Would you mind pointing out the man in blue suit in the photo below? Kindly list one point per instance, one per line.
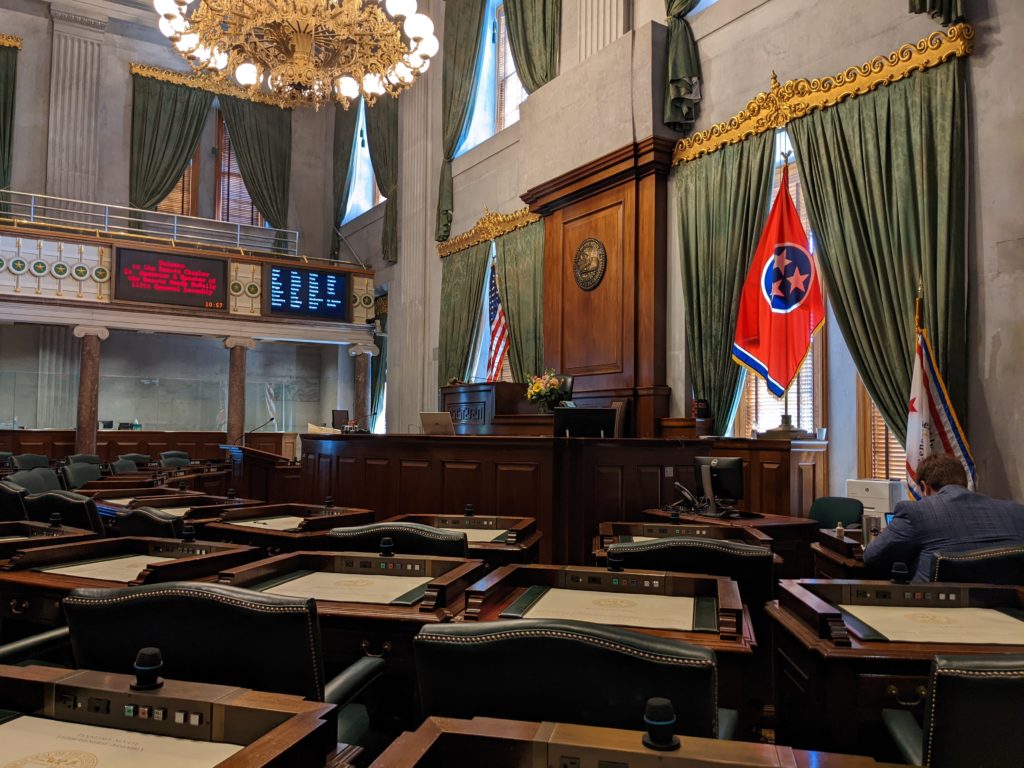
(948, 518)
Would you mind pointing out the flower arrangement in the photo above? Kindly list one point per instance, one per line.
(546, 390)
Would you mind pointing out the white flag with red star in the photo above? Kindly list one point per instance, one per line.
(932, 426)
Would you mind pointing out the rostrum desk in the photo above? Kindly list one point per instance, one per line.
(832, 685)
(494, 539)
(278, 528)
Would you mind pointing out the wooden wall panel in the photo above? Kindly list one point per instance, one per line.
(418, 491)
(462, 483)
(377, 490)
(60, 443)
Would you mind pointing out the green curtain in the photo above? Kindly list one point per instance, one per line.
(723, 204)
(261, 137)
(520, 278)
(535, 35)
(885, 180)
(382, 134)
(166, 122)
(8, 72)
(379, 368)
(344, 145)
(462, 290)
(682, 68)
(948, 11)
(463, 22)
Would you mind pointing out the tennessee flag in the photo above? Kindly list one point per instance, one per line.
(932, 426)
(781, 305)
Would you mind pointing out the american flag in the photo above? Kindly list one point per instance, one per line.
(499, 331)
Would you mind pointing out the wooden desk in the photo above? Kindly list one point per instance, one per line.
(516, 539)
(791, 536)
(198, 507)
(623, 532)
(831, 686)
(841, 557)
(282, 444)
(483, 741)
(24, 534)
(264, 475)
(309, 532)
(274, 729)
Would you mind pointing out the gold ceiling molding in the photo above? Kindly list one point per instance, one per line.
(10, 41)
(201, 83)
(796, 98)
(490, 226)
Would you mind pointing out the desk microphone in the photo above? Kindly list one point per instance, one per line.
(614, 562)
(231, 494)
(469, 510)
(188, 533)
(55, 520)
(387, 547)
(148, 664)
(660, 721)
(254, 429)
(900, 574)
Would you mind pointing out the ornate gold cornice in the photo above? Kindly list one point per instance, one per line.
(10, 41)
(380, 306)
(203, 83)
(796, 98)
(490, 226)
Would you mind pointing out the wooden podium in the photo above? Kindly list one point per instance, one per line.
(493, 408)
(261, 475)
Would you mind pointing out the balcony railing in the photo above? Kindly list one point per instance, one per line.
(62, 213)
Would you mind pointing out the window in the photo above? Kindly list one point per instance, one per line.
(232, 201)
(758, 408)
(362, 191)
(499, 92)
(880, 454)
(183, 200)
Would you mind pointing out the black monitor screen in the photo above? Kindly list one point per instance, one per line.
(309, 293)
(726, 477)
(584, 422)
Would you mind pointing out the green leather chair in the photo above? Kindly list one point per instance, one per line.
(832, 510)
(38, 480)
(123, 467)
(77, 475)
(141, 460)
(173, 462)
(996, 565)
(12, 502)
(973, 716)
(30, 461)
(5, 458)
(84, 458)
(175, 455)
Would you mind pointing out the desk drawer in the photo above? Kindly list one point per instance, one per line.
(878, 692)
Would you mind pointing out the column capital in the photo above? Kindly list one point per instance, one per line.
(73, 20)
(239, 341)
(81, 331)
(355, 350)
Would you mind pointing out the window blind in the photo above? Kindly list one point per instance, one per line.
(232, 201)
(888, 458)
(183, 198)
(510, 89)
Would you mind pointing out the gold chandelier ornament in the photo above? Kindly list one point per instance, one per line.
(304, 52)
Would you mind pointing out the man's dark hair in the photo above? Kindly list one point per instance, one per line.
(941, 469)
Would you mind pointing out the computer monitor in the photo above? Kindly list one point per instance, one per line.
(584, 422)
(339, 418)
(724, 475)
(437, 423)
(107, 424)
(124, 425)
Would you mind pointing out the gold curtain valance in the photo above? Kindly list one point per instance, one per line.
(796, 98)
(202, 83)
(490, 226)
(10, 41)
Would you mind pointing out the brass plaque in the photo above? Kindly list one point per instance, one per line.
(589, 265)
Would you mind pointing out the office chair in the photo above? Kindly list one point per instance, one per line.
(141, 460)
(77, 475)
(175, 455)
(832, 510)
(123, 467)
(38, 480)
(972, 716)
(173, 462)
(566, 385)
(588, 674)
(84, 458)
(109, 626)
(30, 461)
(407, 538)
(995, 565)
(75, 510)
(147, 521)
(12, 502)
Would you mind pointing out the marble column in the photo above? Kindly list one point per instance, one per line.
(236, 386)
(602, 22)
(73, 150)
(361, 378)
(89, 387)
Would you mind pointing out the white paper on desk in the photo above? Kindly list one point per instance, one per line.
(485, 535)
(349, 587)
(32, 742)
(617, 608)
(176, 511)
(271, 523)
(119, 502)
(913, 624)
(125, 568)
(14, 538)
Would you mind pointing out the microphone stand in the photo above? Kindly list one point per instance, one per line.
(254, 429)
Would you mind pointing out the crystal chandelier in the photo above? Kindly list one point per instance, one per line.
(304, 52)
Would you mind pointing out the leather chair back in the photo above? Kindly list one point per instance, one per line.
(751, 567)
(147, 521)
(5, 458)
(832, 510)
(76, 511)
(84, 458)
(12, 502)
(77, 475)
(208, 633)
(408, 539)
(38, 480)
(563, 671)
(997, 565)
(30, 461)
(973, 715)
(566, 381)
(140, 459)
(175, 455)
(123, 467)
(173, 462)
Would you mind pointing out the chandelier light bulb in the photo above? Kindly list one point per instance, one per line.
(165, 27)
(167, 7)
(416, 27)
(422, 66)
(428, 47)
(348, 87)
(218, 60)
(404, 73)
(247, 74)
(398, 8)
(373, 84)
(187, 43)
(202, 55)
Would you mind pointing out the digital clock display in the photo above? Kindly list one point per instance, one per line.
(309, 293)
(171, 279)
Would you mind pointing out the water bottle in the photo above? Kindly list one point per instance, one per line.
(135, 424)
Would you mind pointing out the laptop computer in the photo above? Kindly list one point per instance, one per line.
(437, 423)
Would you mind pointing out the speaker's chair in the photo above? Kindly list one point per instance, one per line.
(77, 475)
(589, 674)
(30, 461)
(997, 565)
(407, 538)
(972, 718)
